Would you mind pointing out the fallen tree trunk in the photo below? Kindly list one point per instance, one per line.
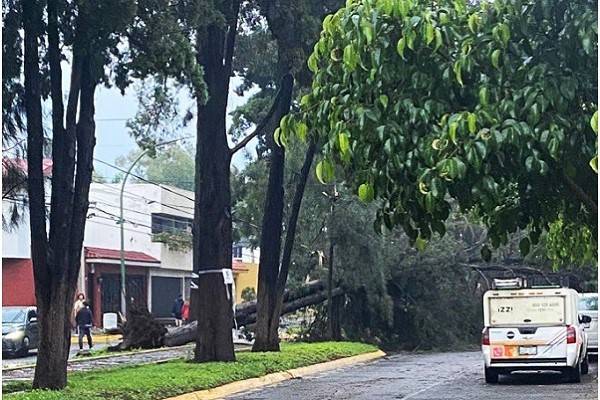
(246, 315)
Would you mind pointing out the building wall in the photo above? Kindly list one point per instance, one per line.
(17, 282)
(246, 279)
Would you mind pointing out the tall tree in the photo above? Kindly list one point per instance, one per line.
(90, 35)
(488, 104)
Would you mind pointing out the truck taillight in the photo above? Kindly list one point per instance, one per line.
(485, 337)
(571, 335)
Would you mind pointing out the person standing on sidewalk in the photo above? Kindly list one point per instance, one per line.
(176, 310)
(84, 325)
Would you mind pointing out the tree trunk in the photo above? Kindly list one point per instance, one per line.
(56, 259)
(211, 302)
(289, 239)
(270, 239)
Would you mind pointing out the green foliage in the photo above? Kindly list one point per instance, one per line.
(173, 165)
(159, 381)
(570, 244)
(178, 242)
(248, 294)
(485, 105)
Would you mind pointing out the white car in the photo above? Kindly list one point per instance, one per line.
(588, 305)
(533, 328)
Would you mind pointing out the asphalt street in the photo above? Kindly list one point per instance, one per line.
(432, 376)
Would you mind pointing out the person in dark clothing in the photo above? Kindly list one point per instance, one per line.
(176, 310)
(84, 323)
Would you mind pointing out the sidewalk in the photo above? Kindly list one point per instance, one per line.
(99, 338)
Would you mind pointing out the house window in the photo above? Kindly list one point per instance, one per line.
(170, 223)
(237, 251)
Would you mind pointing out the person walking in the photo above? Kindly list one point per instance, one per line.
(76, 307)
(176, 310)
(84, 325)
(185, 312)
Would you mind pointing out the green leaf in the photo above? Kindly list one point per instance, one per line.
(301, 130)
(344, 143)
(420, 243)
(483, 95)
(473, 22)
(400, 46)
(594, 122)
(458, 71)
(452, 131)
(366, 193)
(312, 63)
(367, 30)
(594, 164)
(350, 58)
(504, 32)
(429, 34)
(383, 99)
(472, 123)
(496, 58)
(276, 135)
(324, 171)
(438, 39)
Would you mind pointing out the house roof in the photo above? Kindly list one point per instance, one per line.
(112, 254)
(238, 266)
(21, 164)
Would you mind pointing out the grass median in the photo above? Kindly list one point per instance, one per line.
(158, 381)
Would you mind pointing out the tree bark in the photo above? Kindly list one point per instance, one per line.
(211, 303)
(270, 239)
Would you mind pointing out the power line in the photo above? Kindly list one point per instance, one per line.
(145, 180)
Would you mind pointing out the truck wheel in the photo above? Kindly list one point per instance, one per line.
(24, 350)
(585, 365)
(574, 374)
(491, 376)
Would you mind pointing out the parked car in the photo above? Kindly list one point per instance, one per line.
(19, 330)
(533, 328)
(588, 305)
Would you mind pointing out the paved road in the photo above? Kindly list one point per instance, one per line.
(437, 376)
(13, 361)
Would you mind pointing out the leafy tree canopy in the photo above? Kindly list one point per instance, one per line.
(491, 106)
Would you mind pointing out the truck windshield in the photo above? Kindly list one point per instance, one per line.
(588, 303)
(527, 310)
(13, 315)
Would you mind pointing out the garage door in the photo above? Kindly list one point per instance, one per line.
(164, 293)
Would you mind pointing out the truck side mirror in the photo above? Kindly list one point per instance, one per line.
(585, 319)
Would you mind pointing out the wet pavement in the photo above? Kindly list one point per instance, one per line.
(433, 376)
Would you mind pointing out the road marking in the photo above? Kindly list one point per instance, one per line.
(412, 395)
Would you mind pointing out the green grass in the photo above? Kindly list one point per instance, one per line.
(146, 382)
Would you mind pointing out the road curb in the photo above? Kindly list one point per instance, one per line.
(254, 383)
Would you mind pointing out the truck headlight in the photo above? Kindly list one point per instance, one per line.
(15, 335)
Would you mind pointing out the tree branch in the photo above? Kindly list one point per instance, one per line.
(259, 130)
(583, 196)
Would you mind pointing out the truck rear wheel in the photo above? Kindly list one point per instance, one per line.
(491, 375)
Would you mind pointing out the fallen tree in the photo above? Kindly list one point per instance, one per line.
(245, 315)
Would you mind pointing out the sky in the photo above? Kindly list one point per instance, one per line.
(113, 110)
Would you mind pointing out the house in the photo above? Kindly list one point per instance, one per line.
(157, 243)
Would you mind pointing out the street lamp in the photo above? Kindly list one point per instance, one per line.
(122, 222)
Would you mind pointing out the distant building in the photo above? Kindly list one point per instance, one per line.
(157, 226)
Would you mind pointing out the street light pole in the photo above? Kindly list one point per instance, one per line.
(122, 222)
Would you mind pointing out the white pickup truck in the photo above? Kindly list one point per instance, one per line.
(533, 328)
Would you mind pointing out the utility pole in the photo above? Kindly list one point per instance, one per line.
(333, 197)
